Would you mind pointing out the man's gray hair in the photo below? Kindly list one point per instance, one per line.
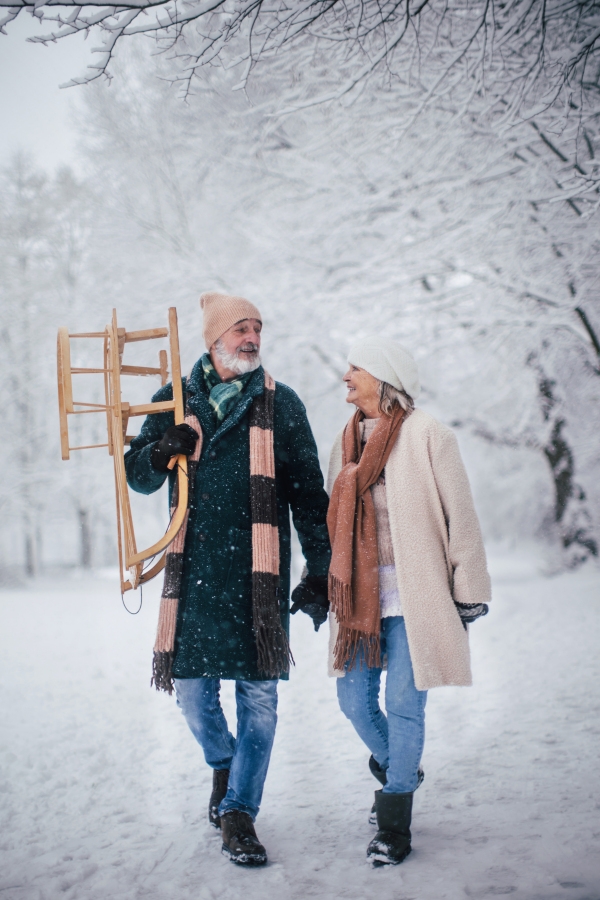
(389, 397)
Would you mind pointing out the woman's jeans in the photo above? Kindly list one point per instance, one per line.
(396, 742)
(247, 756)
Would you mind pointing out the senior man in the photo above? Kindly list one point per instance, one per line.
(225, 609)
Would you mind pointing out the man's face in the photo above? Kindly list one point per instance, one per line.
(238, 349)
(243, 339)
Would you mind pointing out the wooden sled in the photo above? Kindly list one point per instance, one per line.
(118, 412)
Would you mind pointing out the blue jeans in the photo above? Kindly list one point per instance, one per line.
(247, 756)
(396, 741)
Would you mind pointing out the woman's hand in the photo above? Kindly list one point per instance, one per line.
(468, 613)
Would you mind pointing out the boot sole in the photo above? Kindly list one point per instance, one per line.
(380, 859)
(244, 859)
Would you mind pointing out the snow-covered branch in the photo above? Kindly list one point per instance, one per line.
(519, 58)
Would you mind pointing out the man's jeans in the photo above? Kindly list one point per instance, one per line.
(247, 756)
(396, 742)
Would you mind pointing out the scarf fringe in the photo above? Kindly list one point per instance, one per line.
(273, 648)
(340, 597)
(352, 644)
(162, 671)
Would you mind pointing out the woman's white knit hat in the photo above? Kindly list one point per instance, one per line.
(387, 361)
(221, 311)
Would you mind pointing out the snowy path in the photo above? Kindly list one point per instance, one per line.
(104, 790)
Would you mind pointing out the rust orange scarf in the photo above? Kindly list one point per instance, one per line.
(354, 573)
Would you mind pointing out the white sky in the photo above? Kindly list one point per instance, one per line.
(34, 111)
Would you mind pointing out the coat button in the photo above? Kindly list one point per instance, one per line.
(202, 536)
(206, 496)
(212, 454)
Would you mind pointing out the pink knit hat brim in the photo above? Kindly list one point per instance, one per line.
(221, 311)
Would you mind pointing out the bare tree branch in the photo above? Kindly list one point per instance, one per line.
(529, 55)
(588, 327)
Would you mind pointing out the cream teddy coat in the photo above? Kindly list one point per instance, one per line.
(438, 548)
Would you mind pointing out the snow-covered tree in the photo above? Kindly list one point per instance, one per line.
(44, 228)
(466, 246)
(469, 244)
(503, 60)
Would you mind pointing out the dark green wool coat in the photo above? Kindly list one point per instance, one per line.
(214, 635)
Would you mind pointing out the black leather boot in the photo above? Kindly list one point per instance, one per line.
(380, 775)
(240, 842)
(391, 844)
(219, 789)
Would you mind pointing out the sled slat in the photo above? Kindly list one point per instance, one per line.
(88, 447)
(148, 335)
(146, 409)
(139, 370)
(89, 334)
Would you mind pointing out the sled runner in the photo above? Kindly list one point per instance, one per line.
(118, 412)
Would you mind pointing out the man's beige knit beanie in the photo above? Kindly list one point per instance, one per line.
(387, 361)
(221, 311)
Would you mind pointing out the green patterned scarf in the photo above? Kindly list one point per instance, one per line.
(222, 395)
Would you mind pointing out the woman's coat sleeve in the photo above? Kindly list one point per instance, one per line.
(471, 582)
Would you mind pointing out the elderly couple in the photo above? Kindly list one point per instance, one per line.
(394, 553)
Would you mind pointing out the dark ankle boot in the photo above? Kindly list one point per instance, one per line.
(391, 844)
(219, 789)
(240, 842)
(381, 776)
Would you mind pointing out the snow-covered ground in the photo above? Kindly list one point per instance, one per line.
(104, 791)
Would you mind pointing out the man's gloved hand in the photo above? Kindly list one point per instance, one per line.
(468, 614)
(311, 597)
(176, 439)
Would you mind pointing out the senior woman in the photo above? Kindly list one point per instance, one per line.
(408, 573)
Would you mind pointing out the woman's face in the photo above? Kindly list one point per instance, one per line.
(363, 391)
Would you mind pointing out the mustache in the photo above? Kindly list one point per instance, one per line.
(247, 347)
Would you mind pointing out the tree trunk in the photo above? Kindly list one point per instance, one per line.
(85, 547)
(570, 515)
(31, 555)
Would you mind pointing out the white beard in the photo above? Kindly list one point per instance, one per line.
(236, 362)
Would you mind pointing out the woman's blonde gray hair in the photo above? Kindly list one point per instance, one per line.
(389, 397)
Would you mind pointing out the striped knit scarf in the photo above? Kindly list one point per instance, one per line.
(271, 640)
(222, 395)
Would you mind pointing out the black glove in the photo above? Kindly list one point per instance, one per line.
(311, 597)
(176, 439)
(468, 614)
